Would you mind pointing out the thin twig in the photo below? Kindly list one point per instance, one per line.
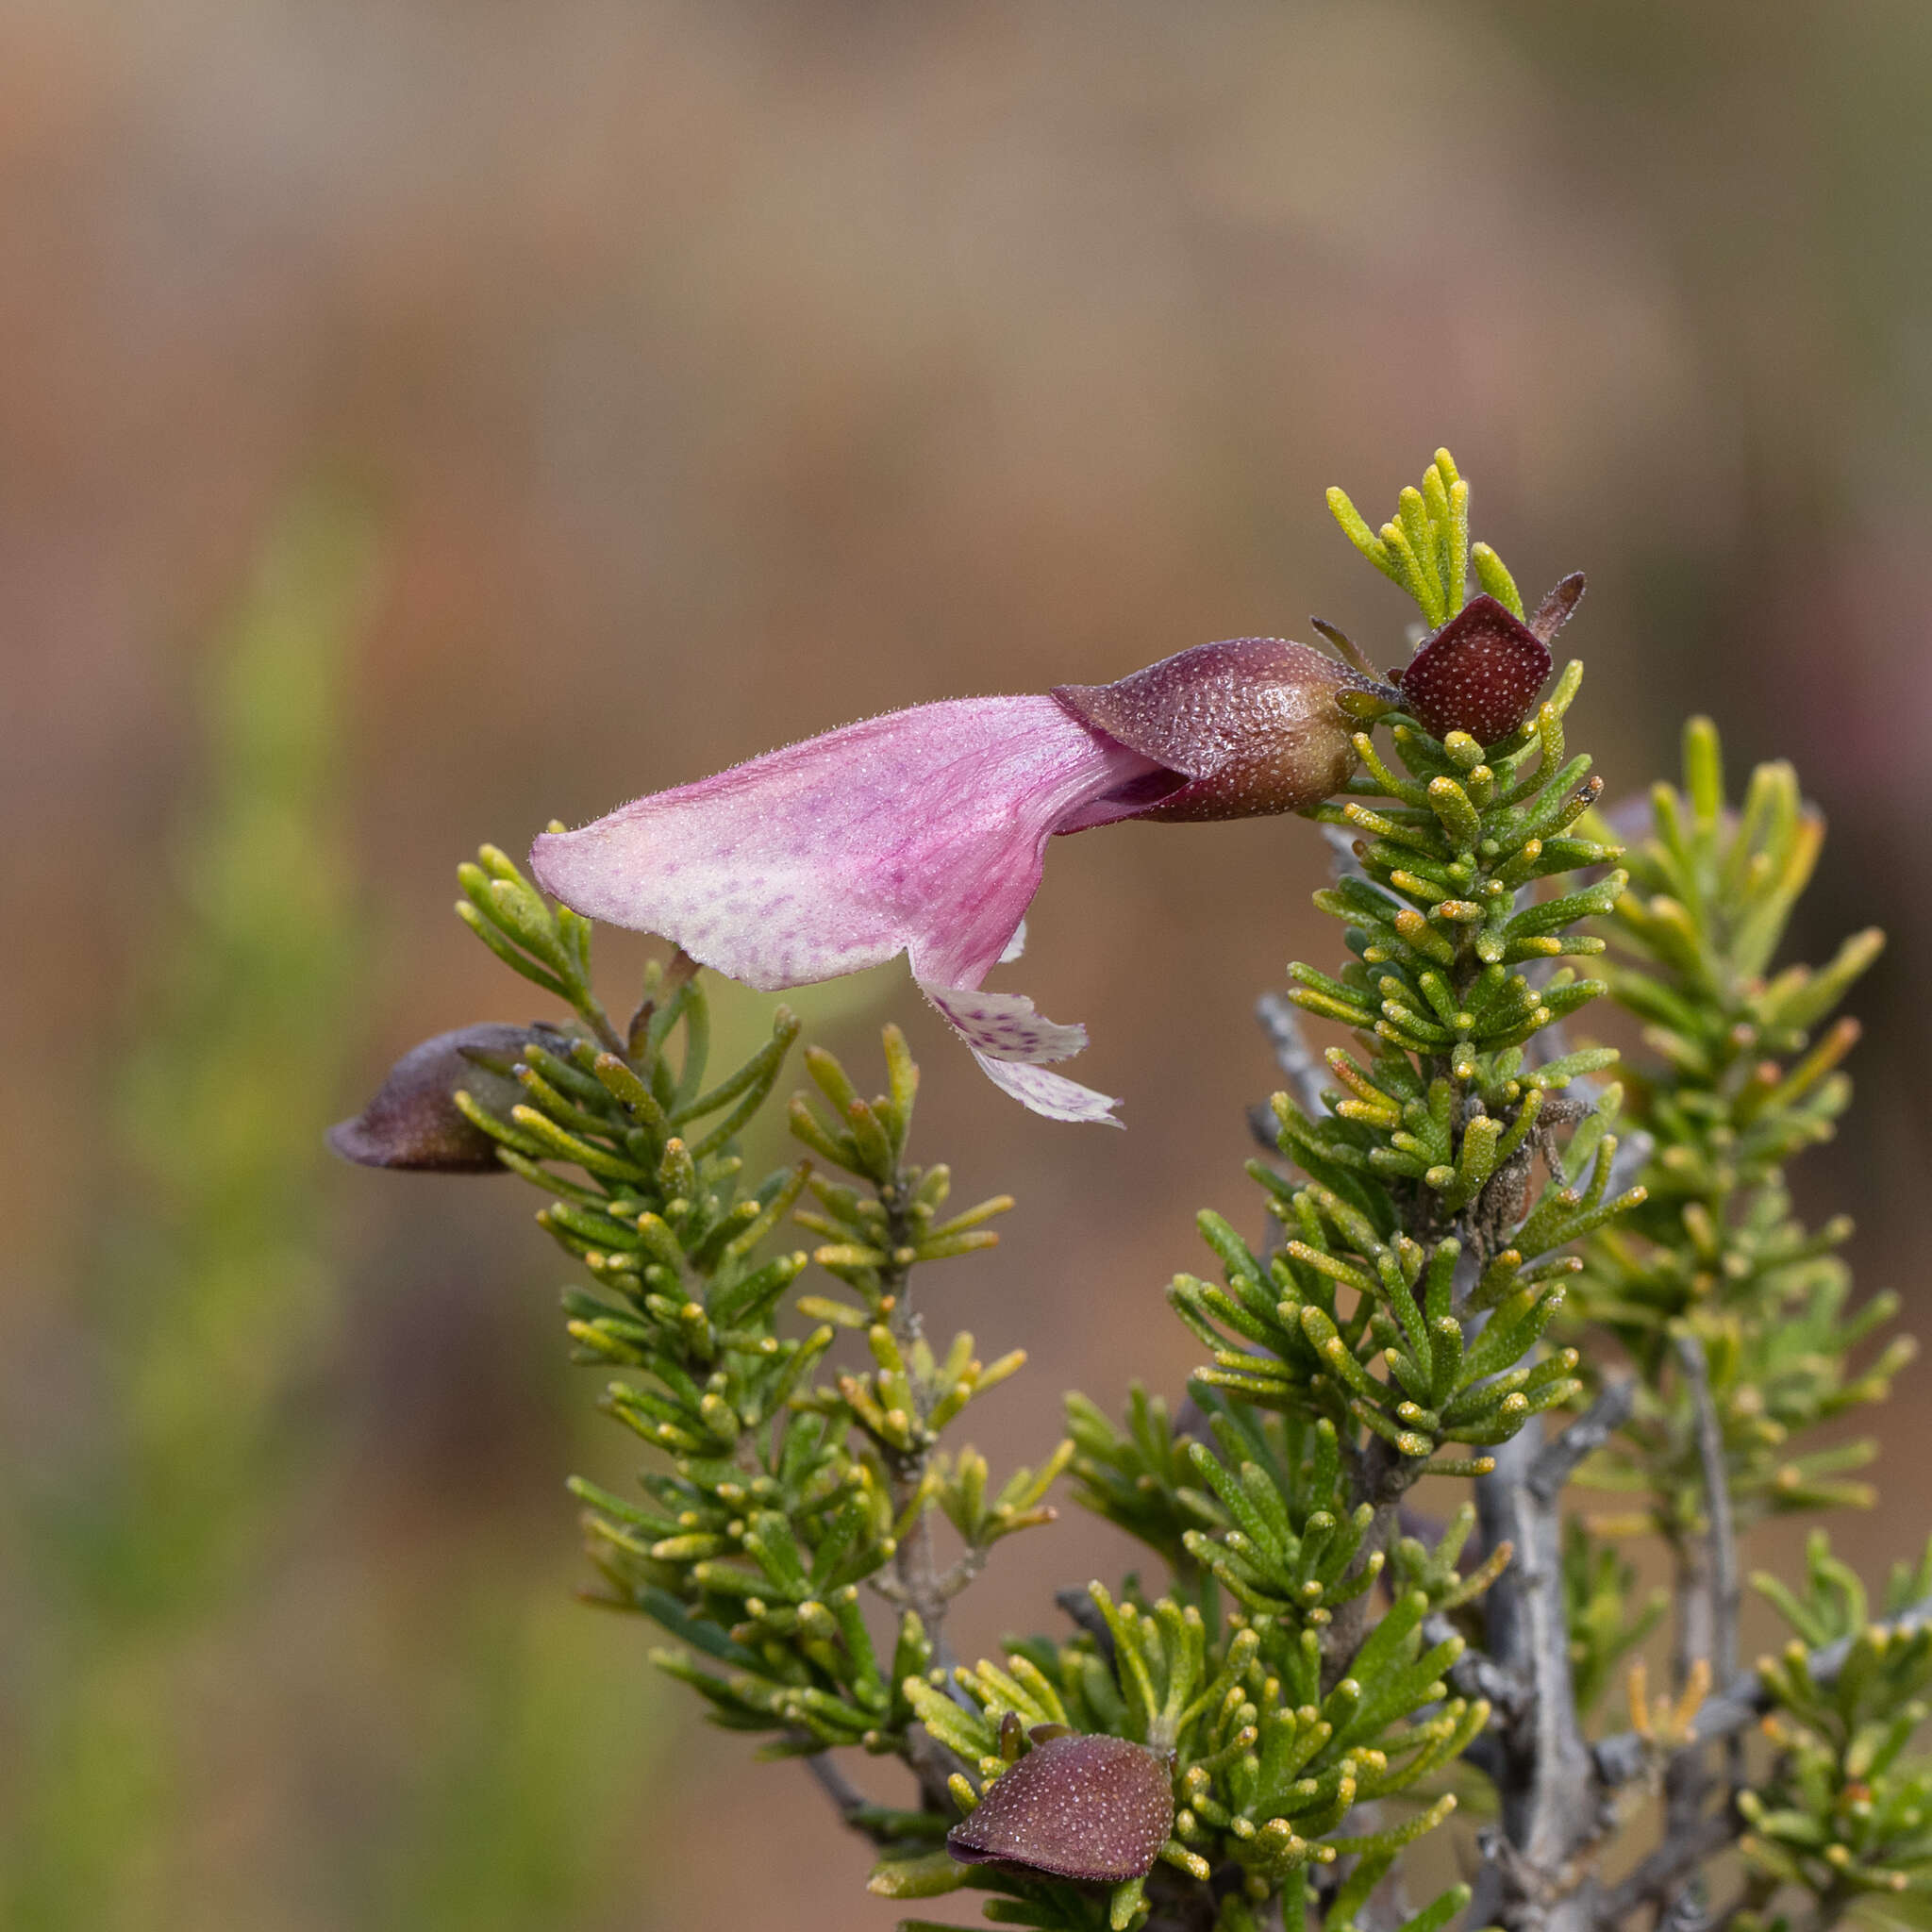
(959, 1574)
(917, 1584)
(1478, 1675)
(1079, 1606)
(1706, 1592)
(1634, 1149)
(1721, 1531)
(1534, 1873)
(1305, 1073)
(850, 1802)
(1556, 1462)
(1342, 862)
(1624, 1758)
(1677, 1859)
(599, 1022)
(1378, 1476)
(1551, 1808)
(879, 1825)
(1722, 1535)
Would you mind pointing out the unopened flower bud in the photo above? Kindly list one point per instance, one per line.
(413, 1122)
(1482, 672)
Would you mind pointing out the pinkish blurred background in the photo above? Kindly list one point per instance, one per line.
(700, 377)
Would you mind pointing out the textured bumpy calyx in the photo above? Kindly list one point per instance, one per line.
(1094, 1808)
(1250, 724)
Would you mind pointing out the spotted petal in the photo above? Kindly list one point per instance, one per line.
(1010, 1040)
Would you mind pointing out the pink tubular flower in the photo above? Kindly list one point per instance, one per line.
(925, 831)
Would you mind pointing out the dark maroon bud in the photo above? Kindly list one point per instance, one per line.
(1093, 1808)
(1483, 670)
(1252, 724)
(414, 1121)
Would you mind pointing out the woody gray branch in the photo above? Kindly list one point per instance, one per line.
(1695, 1839)
(1554, 1789)
(1552, 1806)
(854, 1807)
(1721, 1535)
(1706, 1640)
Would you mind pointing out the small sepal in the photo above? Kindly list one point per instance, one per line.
(1094, 1808)
(1482, 672)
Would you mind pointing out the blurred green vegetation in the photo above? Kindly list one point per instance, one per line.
(201, 1276)
(206, 1288)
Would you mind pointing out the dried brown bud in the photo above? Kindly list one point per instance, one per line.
(413, 1122)
(1250, 724)
(1093, 1808)
(1483, 670)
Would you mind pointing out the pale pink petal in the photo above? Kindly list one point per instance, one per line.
(922, 832)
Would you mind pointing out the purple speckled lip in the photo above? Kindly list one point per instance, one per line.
(925, 831)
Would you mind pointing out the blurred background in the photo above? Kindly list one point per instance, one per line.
(420, 421)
